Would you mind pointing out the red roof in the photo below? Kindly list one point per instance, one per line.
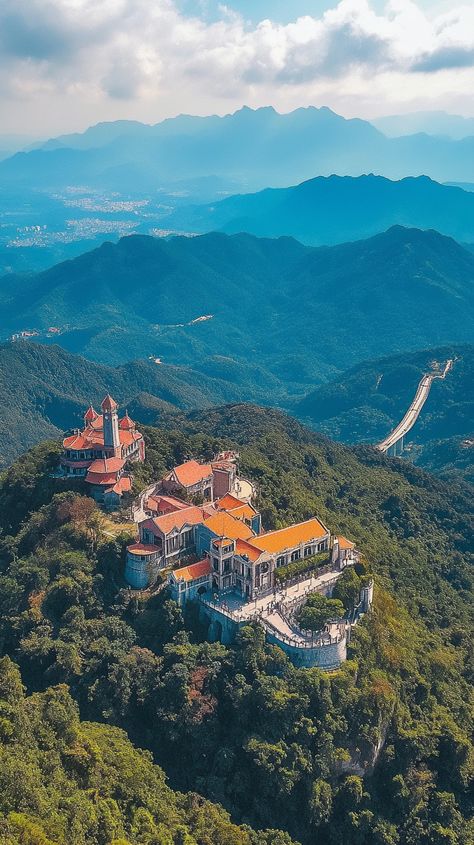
(126, 423)
(194, 571)
(191, 473)
(123, 485)
(93, 437)
(247, 550)
(91, 414)
(188, 516)
(170, 502)
(109, 404)
(108, 479)
(105, 465)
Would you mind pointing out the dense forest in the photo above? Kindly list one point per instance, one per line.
(377, 753)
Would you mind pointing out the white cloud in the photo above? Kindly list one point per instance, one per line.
(148, 56)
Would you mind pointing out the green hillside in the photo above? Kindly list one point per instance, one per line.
(334, 209)
(295, 313)
(44, 391)
(65, 781)
(378, 753)
(365, 403)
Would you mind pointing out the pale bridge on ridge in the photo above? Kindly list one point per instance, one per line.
(393, 443)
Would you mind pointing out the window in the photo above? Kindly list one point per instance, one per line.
(215, 564)
(308, 551)
(281, 561)
(296, 555)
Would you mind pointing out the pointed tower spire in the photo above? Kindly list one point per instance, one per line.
(111, 427)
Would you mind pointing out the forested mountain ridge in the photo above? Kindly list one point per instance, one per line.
(334, 209)
(44, 390)
(275, 304)
(378, 753)
(365, 403)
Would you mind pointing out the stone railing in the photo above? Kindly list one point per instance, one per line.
(318, 641)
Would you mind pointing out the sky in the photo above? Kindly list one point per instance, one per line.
(67, 64)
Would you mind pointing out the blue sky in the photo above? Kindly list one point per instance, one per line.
(284, 11)
(65, 64)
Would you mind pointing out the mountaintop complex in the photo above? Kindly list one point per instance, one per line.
(236, 422)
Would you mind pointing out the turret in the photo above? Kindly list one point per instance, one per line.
(90, 416)
(111, 425)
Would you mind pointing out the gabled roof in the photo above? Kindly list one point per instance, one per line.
(222, 524)
(288, 538)
(188, 516)
(194, 571)
(190, 473)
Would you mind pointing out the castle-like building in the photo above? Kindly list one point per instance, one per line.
(99, 453)
(217, 554)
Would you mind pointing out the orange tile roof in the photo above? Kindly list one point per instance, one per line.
(224, 525)
(344, 543)
(244, 511)
(188, 516)
(191, 472)
(247, 550)
(287, 538)
(195, 570)
(229, 501)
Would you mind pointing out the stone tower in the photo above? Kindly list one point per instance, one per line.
(111, 425)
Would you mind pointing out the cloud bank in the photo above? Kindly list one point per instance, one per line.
(143, 58)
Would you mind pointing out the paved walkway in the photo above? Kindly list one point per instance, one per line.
(236, 604)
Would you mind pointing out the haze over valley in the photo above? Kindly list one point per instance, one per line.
(236, 422)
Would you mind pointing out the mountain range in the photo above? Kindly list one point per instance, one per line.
(334, 209)
(284, 312)
(431, 122)
(250, 149)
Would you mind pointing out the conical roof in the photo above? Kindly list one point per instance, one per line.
(126, 423)
(90, 415)
(109, 404)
